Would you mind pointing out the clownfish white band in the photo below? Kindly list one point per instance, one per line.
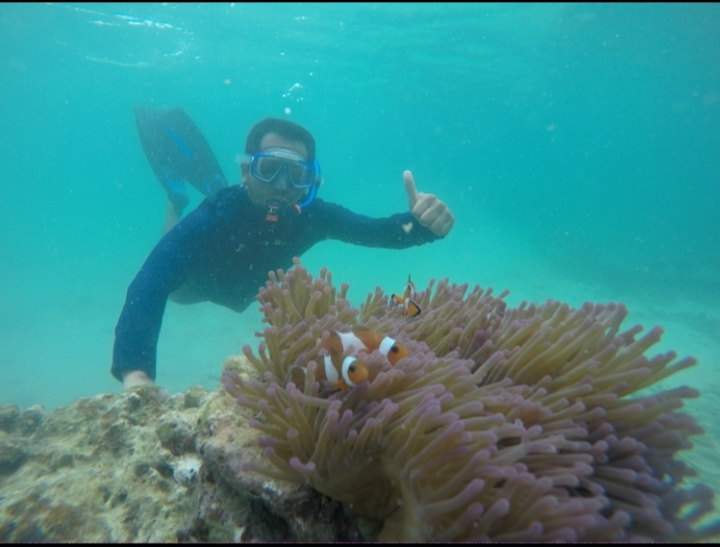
(347, 363)
(331, 372)
(386, 345)
(350, 339)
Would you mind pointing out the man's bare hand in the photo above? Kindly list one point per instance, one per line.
(132, 378)
(428, 209)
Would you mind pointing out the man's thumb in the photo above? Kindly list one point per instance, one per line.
(410, 188)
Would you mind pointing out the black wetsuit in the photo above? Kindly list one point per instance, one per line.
(223, 251)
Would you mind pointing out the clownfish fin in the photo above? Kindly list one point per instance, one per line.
(341, 385)
(335, 356)
(368, 338)
(397, 299)
(334, 342)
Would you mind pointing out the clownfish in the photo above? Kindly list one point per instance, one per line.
(342, 374)
(347, 373)
(364, 340)
(409, 305)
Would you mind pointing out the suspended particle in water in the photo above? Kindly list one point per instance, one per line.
(287, 110)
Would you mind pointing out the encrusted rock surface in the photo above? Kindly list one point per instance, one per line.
(143, 466)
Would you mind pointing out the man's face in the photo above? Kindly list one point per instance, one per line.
(279, 189)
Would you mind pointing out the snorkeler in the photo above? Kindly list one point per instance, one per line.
(222, 251)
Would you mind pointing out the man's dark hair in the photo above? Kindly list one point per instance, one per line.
(284, 128)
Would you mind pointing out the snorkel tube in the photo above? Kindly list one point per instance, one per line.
(312, 191)
(309, 198)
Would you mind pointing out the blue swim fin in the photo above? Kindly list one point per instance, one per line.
(175, 188)
(177, 151)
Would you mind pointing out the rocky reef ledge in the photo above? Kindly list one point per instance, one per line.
(143, 466)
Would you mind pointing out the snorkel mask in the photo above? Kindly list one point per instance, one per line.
(267, 165)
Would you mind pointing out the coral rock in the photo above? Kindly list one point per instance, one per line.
(143, 466)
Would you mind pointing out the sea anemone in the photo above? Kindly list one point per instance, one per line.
(503, 424)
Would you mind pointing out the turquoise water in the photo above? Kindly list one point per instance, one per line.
(577, 145)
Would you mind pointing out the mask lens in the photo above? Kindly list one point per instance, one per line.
(266, 168)
(299, 175)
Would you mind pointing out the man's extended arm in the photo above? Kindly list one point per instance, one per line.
(429, 219)
(138, 329)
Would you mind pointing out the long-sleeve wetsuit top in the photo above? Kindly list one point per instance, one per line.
(223, 251)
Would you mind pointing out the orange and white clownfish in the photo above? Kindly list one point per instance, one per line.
(364, 340)
(342, 373)
(409, 305)
(347, 373)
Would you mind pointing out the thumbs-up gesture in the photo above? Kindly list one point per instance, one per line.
(428, 209)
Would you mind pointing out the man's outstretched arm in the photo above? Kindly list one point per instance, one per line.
(429, 219)
(138, 329)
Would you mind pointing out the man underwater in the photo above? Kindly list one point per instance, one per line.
(223, 250)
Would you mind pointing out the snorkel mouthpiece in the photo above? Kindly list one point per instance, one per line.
(276, 206)
(273, 210)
